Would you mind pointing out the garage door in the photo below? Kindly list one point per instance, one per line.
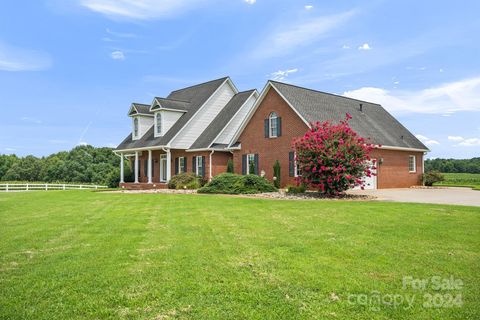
(370, 182)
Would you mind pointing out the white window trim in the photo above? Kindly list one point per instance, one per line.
(248, 162)
(163, 159)
(414, 164)
(270, 127)
(158, 134)
(295, 165)
(181, 168)
(136, 128)
(198, 162)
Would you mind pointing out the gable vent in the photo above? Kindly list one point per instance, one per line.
(361, 107)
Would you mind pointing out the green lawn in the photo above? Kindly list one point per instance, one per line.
(471, 180)
(90, 255)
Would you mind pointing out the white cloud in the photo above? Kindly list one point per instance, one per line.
(139, 10)
(10, 149)
(365, 46)
(455, 138)
(280, 75)
(463, 95)
(31, 120)
(121, 34)
(426, 140)
(118, 55)
(300, 33)
(471, 142)
(345, 47)
(13, 58)
(250, 1)
(308, 7)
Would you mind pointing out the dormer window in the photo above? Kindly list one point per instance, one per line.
(135, 128)
(158, 124)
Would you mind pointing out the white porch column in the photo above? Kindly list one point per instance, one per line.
(149, 166)
(169, 165)
(122, 179)
(136, 166)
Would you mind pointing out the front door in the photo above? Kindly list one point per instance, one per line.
(163, 168)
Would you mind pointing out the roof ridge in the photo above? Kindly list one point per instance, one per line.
(141, 104)
(200, 84)
(246, 91)
(172, 99)
(323, 92)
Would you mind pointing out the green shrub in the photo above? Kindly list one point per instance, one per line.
(186, 180)
(296, 189)
(276, 174)
(230, 166)
(431, 177)
(229, 183)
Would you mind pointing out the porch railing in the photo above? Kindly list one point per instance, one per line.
(46, 186)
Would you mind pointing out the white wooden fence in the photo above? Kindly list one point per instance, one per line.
(46, 186)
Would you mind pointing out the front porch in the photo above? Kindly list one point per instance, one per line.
(152, 169)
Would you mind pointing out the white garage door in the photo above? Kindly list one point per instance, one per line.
(370, 182)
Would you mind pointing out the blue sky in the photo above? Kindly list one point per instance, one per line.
(70, 69)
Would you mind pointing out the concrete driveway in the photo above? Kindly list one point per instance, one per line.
(460, 196)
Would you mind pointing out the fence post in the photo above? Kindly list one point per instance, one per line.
(80, 187)
(96, 187)
(27, 186)
(46, 187)
(64, 186)
(6, 187)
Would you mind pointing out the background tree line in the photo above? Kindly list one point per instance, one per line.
(82, 164)
(453, 165)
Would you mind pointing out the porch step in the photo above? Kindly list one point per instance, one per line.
(143, 186)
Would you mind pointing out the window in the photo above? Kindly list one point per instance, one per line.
(199, 166)
(298, 171)
(412, 165)
(250, 163)
(181, 164)
(273, 125)
(135, 127)
(158, 123)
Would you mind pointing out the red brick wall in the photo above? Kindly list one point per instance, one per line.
(393, 173)
(270, 149)
(219, 162)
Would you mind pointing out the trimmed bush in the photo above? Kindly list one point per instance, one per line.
(229, 183)
(296, 189)
(276, 174)
(186, 180)
(230, 166)
(431, 177)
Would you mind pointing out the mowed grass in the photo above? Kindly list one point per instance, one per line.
(471, 180)
(87, 255)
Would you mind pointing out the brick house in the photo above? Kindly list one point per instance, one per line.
(199, 128)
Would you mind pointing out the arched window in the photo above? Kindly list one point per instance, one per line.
(158, 125)
(273, 125)
(135, 127)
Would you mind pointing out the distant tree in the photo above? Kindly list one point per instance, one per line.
(6, 161)
(453, 165)
(26, 169)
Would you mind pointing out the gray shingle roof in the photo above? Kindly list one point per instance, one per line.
(141, 108)
(196, 95)
(221, 120)
(171, 104)
(372, 122)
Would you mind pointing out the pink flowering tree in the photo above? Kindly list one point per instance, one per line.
(332, 158)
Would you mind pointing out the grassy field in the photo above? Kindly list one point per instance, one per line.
(461, 180)
(87, 255)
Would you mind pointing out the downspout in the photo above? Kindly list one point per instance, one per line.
(211, 153)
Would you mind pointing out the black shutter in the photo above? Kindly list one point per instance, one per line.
(291, 164)
(255, 157)
(279, 127)
(194, 164)
(145, 167)
(153, 167)
(265, 128)
(185, 164)
(139, 168)
(203, 166)
(177, 164)
(244, 164)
